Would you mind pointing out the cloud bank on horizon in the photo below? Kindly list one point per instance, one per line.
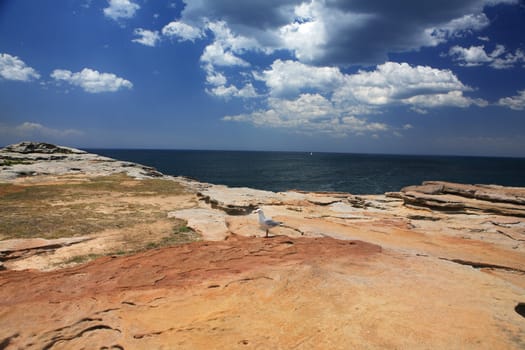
(318, 67)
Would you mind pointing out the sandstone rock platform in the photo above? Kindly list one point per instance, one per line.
(436, 266)
(462, 198)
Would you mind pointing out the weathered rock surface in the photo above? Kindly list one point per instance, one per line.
(29, 159)
(435, 266)
(23, 248)
(461, 198)
(40, 147)
(260, 293)
(209, 223)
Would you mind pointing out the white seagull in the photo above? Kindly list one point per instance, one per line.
(266, 223)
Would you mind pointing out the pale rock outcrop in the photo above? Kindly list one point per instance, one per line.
(462, 198)
(29, 159)
(40, 147)
(209, 223)
(23, 248)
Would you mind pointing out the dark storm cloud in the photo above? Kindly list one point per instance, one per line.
(261, 14)
(356, 31)
(394, 26)
(413, 10)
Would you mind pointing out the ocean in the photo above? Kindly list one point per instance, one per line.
(353, 173)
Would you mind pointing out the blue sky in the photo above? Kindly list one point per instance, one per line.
(409, 77)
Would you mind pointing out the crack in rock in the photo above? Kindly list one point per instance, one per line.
(151, 334)
(247, 279)
(5, 343)
(58, 339)
(106, 310)
(23, 248)
(481, 265)
(76, 330)
(508, 235)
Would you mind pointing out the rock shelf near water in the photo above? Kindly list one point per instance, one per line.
(439, 265)
(28, 159)
(462, 198)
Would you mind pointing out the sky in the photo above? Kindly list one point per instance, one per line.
(355, 76)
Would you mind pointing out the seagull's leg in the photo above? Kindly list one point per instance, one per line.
(266, 233)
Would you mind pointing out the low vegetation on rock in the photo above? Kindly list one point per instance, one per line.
(77, 206)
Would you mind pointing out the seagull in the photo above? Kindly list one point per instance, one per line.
(266, 223)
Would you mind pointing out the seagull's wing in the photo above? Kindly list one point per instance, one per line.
(271, 223)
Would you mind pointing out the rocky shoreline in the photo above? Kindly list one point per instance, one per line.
(438, 265)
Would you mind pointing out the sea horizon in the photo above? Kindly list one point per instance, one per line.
(92, 149)
(324, 171)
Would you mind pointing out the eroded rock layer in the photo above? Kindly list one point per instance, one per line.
(462, 198)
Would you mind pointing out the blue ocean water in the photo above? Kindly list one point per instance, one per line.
(353, 173)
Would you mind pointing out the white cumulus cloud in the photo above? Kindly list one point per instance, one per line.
(215, 78)
(516, 103)
(394, 83)
(310, 98)
(457, 27)
(91, 80)
(308, 113)
(146, 37)
(226, 47)
(306, 35)
(291, 77)
(237, 43)
(226, 92)
(469, 57)
(474, 56)
(13, 68)
(119, 9)
(182, 30)
(449, 99)
(305, 107)
(222, 53)
(217, 55)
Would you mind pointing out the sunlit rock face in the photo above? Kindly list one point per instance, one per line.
(438, 265)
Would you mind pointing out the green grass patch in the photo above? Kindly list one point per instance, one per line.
(181, 235)
(79, 208)
(10, 162)
(183, 229)
(81, 259)
(122, 183)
